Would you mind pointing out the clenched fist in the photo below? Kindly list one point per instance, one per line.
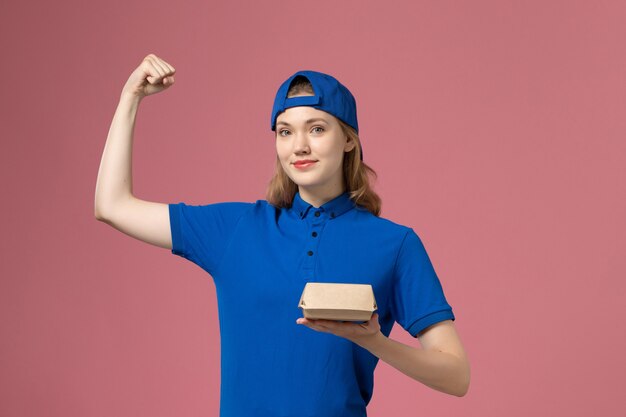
(153, 75)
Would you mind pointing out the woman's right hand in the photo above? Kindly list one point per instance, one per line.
(153, 75)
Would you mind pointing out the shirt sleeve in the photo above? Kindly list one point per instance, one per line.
(418, 300)
(201, 233)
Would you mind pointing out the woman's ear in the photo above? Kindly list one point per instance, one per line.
(350, 144)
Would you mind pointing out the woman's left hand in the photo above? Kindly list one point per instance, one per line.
(358, 333)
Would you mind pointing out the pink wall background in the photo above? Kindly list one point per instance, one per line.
(496, 127)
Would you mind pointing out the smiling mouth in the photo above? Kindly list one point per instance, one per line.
(304, 165)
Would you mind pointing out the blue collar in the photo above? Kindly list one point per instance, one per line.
(334, 208)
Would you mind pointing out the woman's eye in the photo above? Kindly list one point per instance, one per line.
(321, 129)
(281, 132)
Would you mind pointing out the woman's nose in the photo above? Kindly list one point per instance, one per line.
(301, 143)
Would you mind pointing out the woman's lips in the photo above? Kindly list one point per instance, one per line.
(305, 165)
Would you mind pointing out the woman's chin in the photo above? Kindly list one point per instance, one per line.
(303, 179)
(305, 184)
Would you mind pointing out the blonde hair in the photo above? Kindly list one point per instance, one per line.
(281, 189)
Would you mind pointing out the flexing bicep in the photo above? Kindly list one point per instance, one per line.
(144, 220)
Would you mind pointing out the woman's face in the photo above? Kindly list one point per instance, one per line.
(306, 133)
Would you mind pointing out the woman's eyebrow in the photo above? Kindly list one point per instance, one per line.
(307, 122)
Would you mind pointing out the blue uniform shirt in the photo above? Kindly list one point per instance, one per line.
(260, 257)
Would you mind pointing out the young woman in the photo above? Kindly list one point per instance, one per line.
(320, 223)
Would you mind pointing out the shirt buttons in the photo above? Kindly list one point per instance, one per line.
(317, 214)
(314, 234)
(310, 253)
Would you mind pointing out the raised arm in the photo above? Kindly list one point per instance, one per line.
(115, 203)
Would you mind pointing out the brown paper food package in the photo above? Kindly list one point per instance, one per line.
(336, 301)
